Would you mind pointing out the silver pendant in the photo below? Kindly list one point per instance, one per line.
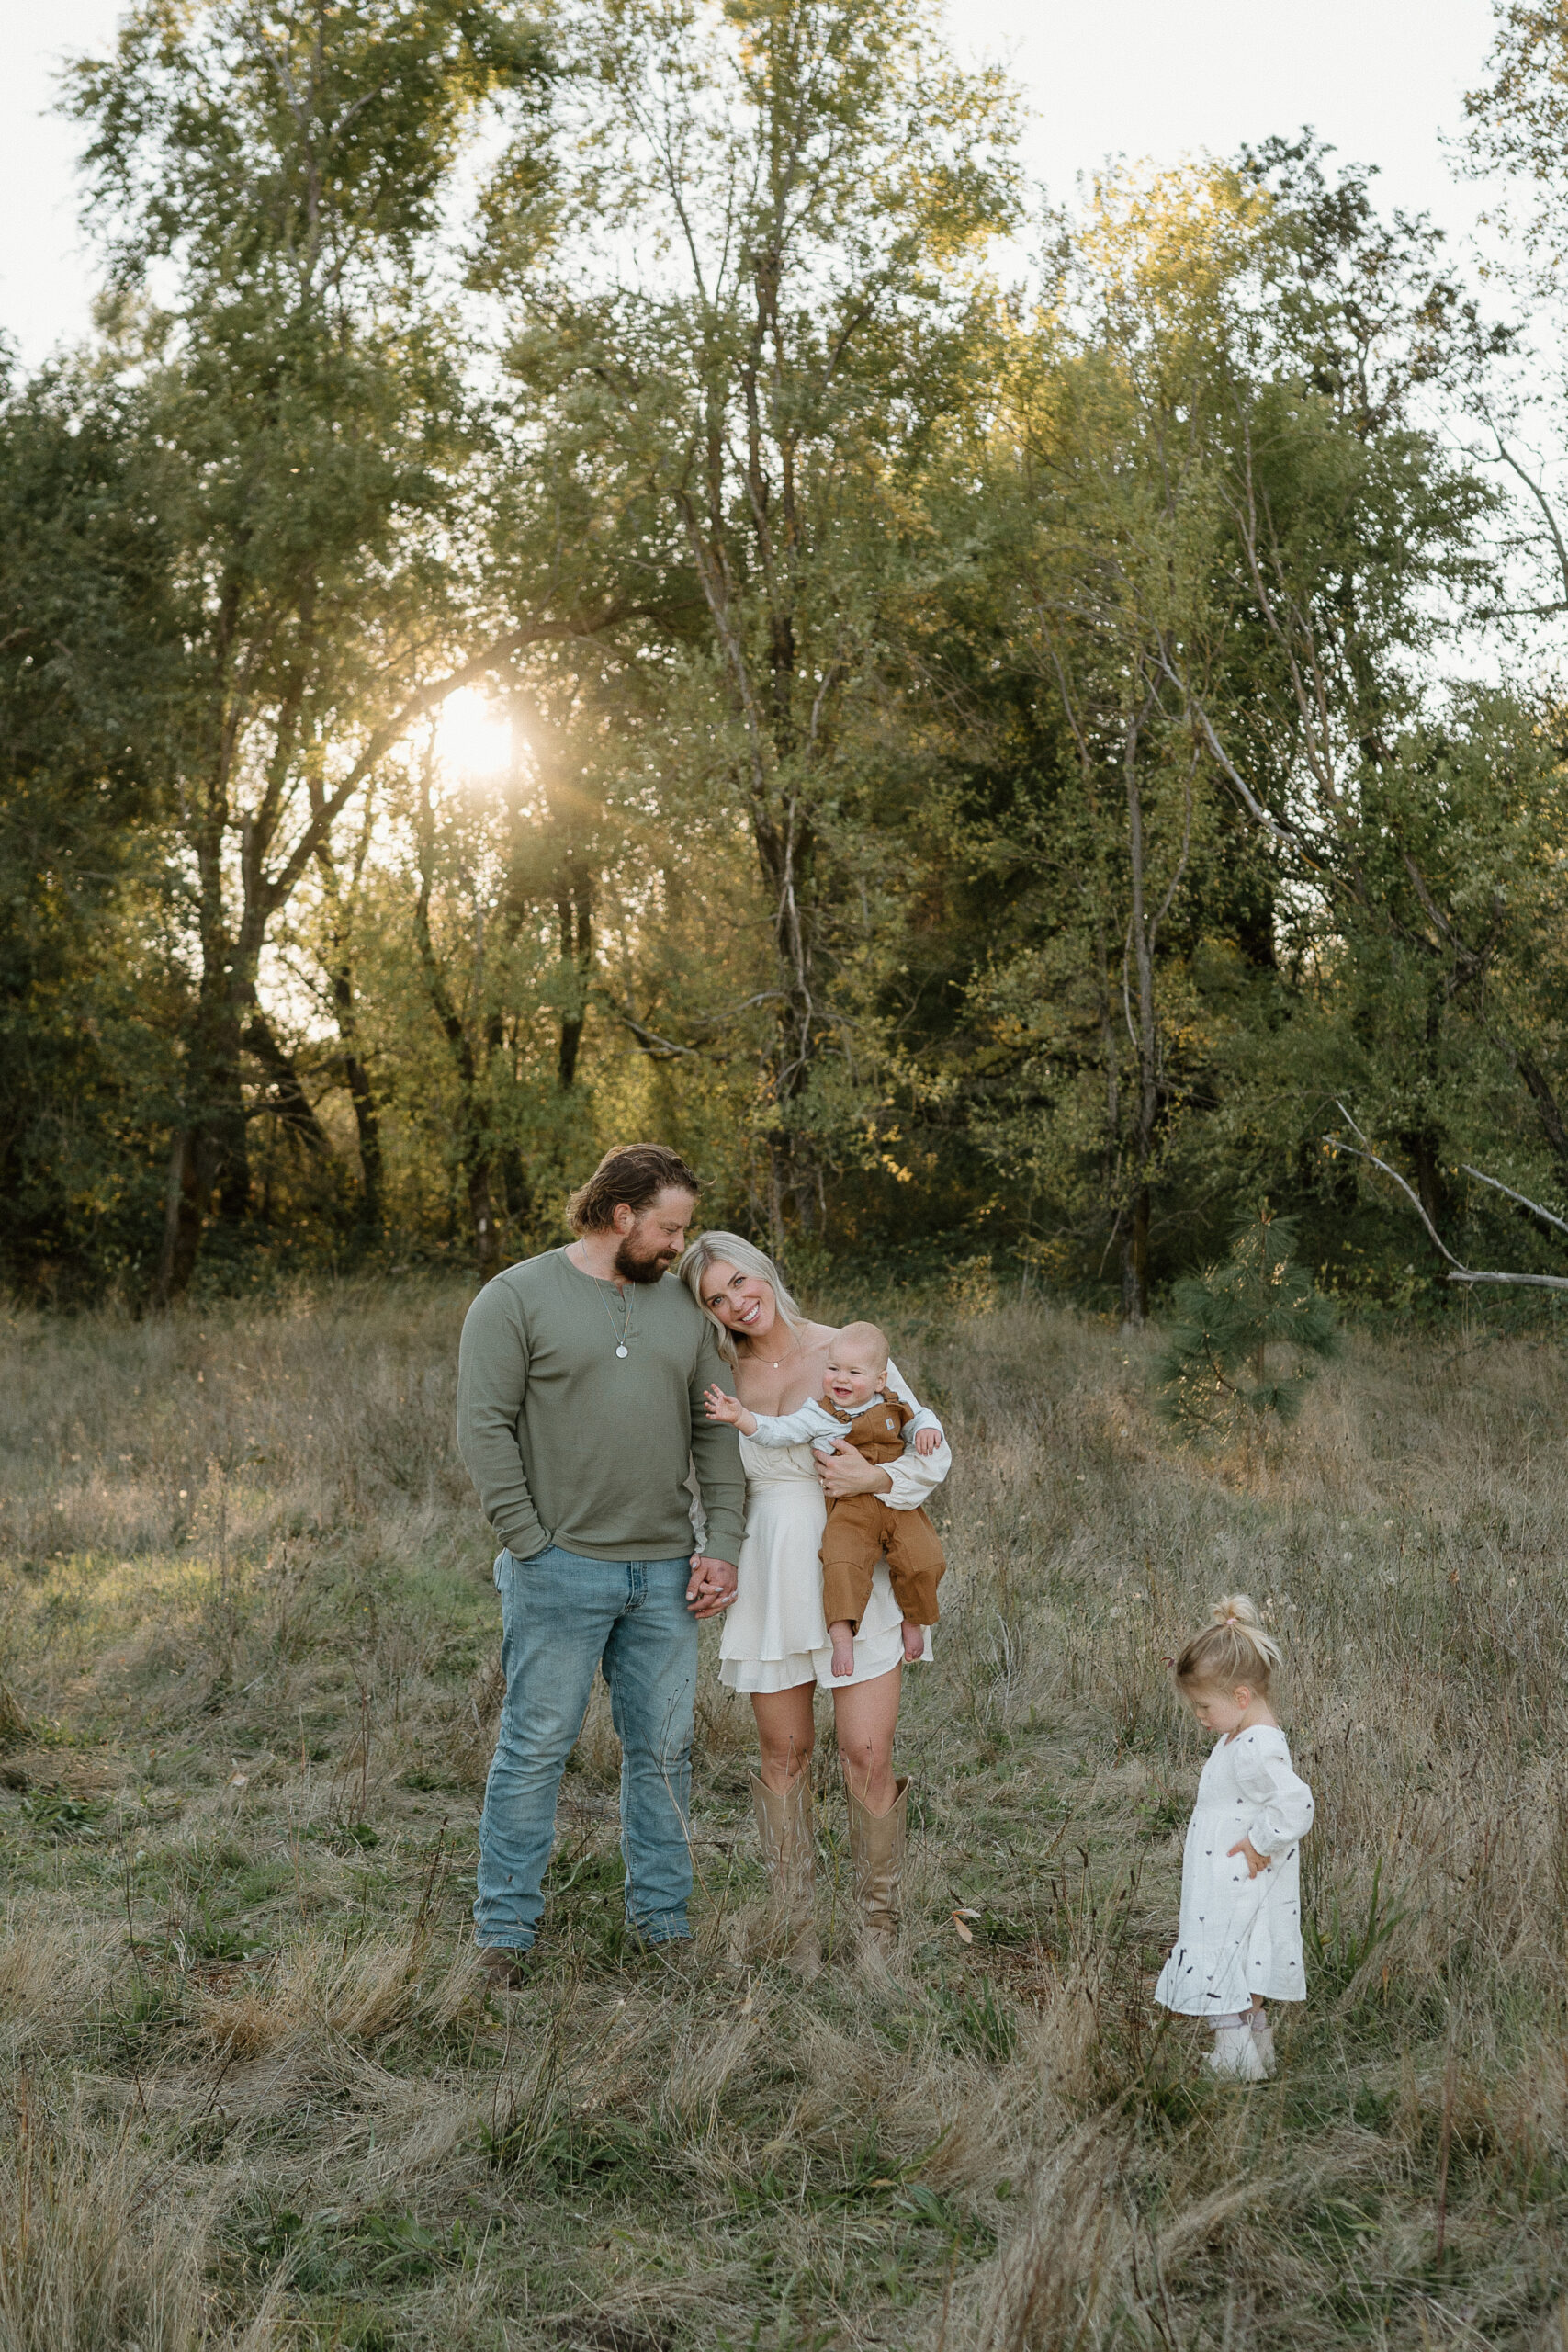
(620, 1351)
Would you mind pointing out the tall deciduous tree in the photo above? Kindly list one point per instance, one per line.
(88, 643)
(280, 167)
(805, 184)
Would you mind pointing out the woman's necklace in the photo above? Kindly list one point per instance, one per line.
(620, 1332)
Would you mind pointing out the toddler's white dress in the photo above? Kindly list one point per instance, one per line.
(775, 1636)
(1239, 1936)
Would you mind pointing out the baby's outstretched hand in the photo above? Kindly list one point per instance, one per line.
(927, 1440)
(722, 1406)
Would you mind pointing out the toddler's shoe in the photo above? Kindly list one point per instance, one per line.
(1236, 2058)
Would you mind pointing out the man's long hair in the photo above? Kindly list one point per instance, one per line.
(631, 1175)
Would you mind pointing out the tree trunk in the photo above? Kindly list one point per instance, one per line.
(1424, 1146)
(362, 1095)
(481, 1212)
(476, 1139)
(345, 1012)
(1113, 1072)
(182, 1222)
(222, 1131)
(1548, 1109)
(289, 1099)
(368, 1128)
(516, 1191)
(574, 917)
(1135, 1262)
(1135, 1252)
(211, 1146)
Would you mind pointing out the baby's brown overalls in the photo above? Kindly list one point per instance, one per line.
(863, 1528)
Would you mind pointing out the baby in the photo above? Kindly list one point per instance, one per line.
(859, 1409)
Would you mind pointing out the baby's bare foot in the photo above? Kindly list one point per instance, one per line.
(914, 1639)
(843, 1642)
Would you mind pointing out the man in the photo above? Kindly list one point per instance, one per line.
(580, 1387)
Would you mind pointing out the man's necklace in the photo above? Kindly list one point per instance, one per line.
(620, 1332)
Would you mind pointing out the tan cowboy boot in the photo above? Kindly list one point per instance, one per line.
(786, 1828)
(877, 1853)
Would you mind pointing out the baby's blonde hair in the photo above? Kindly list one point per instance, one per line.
(1233, 1648)
(869, 1335)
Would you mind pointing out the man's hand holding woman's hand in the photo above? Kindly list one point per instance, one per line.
(711, 1586)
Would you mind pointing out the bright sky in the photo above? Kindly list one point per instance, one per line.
(1381, 79)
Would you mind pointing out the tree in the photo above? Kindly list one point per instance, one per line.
(1212, 1374)
(806, 182)
(1103, 461)
(286, 165)
(88, 640)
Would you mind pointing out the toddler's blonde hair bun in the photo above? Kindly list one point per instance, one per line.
(1233, 1647)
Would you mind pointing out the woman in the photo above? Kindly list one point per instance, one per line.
(775, 1644)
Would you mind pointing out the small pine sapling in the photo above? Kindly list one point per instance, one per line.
(1214, 1375)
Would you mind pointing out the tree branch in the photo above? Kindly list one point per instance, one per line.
(1458, 1272)
(1337, 1143)
(1525, 1202)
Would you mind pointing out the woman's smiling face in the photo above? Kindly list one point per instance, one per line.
(744, 1304)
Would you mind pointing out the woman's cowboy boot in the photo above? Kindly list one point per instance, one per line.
(786, 1828)
(877, 1853)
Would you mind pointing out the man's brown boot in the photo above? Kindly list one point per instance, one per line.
(876, 1854)
(506, 1966)
(785, 1827)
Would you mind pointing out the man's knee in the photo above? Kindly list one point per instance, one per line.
(659, 1726)
(543, 1741)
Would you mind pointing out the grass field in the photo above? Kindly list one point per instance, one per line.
(257, 2097)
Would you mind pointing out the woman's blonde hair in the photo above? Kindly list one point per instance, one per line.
(713, 1248)
(1233, 1648)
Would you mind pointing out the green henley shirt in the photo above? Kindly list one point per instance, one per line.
(569, 1442)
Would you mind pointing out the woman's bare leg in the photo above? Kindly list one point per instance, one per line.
(866, 1716)
(784, 1733)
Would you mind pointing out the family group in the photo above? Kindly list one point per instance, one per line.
(657, 1435)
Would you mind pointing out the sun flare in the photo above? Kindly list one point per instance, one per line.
(473, 736)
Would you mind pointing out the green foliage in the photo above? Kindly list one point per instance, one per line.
(1214, 1375)
(986, 774)
(88, 625)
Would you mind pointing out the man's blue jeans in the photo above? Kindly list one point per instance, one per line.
(561, 1616)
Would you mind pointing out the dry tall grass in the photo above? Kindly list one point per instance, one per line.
(254, 2093)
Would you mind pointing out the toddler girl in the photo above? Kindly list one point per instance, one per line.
(1239, 1941)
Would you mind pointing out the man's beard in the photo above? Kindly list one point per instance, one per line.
(641, 1270)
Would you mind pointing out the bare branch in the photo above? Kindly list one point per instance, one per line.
(1525, 1202)
(1457, 1272)
(1529, 1281)
(1337, 1143)
(1536, 491)
(663, 1050)
(1243, 790)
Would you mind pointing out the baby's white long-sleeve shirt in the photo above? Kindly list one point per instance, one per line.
(813, 1424)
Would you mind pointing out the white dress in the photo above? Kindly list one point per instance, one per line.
(1239, 1936)
(776, 1636)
